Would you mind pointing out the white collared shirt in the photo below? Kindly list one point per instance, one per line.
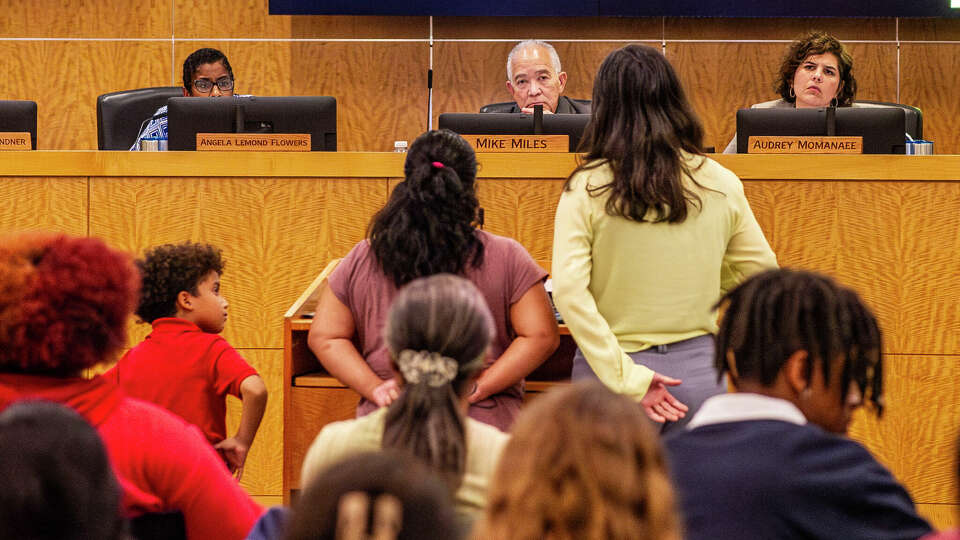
(742, 406)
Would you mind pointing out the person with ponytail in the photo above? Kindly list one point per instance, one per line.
(429, 226)
(437, 334)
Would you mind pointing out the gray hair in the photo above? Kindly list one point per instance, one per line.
(530, 43)
(446, 315)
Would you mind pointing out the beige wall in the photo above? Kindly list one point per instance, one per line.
(63, 54)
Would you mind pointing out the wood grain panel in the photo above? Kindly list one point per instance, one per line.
(929, 80)
(916, 437)
(263, 472)
(380, 89)
(718, 87)
(929, 29)
(275, 234)
(930, 316)
(74, 73)
(217, 19)
(942, 516)
(523, 210)
(548, 28)
(499, 199)
(85, 19)
(48, 204)
(799, 219)
(876, 70)
(786, 29)
(870, 256)
(267, 501)
(313, 408)
(468, 76)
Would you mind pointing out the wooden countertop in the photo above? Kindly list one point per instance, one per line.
(506, 165)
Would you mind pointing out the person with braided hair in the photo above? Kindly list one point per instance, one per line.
(429, 226)
(438, 331)
(771, 460)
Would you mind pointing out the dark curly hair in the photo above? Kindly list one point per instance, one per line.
(817, 42)
(200, 57)
(64, 303)
(427, 226)
(168, 269)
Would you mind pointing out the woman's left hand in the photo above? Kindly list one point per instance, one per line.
(659, 403)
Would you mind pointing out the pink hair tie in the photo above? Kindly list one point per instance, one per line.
(438, 165)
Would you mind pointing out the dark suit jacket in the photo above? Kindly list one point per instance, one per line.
(766, 479)
(565, 105)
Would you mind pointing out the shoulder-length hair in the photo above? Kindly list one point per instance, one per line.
(641, 125)
(816, 42)
(427, 226)
(582, 463)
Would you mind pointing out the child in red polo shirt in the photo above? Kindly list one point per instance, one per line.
(184, 365)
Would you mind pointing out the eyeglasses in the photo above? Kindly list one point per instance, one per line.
(225, 84)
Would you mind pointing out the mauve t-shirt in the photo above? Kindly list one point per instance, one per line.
(506, 274)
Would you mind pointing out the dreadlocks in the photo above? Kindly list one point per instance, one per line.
(776, 313)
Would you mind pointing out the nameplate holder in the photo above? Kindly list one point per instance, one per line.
(804, 145)
(253, 142)
(15, 140)
(519, 143)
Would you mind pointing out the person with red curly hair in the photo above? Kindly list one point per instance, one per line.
(64, 304)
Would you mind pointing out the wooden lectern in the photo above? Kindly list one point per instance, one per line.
(312, 398)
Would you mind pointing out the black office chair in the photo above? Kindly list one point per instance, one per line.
(506, 106)
(914, 116)
(120, 114)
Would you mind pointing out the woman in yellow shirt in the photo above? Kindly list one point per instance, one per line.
(648, 233)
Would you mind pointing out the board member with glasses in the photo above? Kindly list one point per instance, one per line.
(206, 73)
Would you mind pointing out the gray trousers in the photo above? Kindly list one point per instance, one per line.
(690, 360)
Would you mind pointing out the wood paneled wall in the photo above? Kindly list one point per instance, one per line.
(884, 225)
(65, 53)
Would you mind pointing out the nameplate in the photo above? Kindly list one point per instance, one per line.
(805, 145)
(15, 140)
(519, 143)
(253, 142)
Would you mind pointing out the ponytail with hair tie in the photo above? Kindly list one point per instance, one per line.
(428, 224)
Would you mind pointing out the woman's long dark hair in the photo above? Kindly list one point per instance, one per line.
(641, 123)
(427, 226)
(433, 317)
